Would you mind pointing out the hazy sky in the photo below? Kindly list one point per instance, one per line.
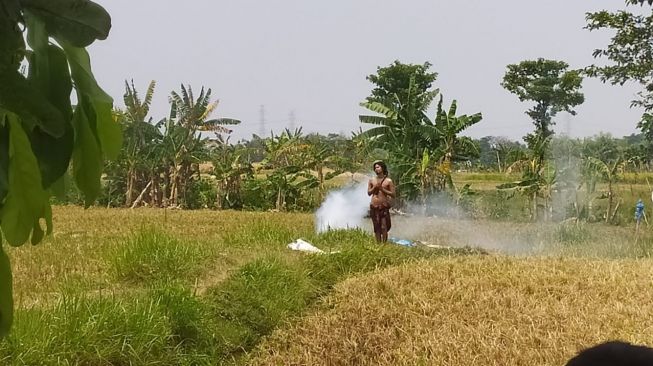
(311, 58)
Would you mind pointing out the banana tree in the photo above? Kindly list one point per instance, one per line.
(448, 127)
(141, 139)
(185, 145)
(285, 156)
(229, 168)
(535, 174)
(319, 157)
(404, 130)
(610, 172)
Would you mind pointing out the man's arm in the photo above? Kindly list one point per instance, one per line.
(390, 190)
(371, 189)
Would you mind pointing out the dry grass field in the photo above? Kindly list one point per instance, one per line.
(472, 311)
(153, 287)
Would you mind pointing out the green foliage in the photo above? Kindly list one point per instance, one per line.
(26, 202)
(160, 163)
(630, 52)
(230, 170)
(200, 193)
(550, 86)
(395, 83)
(420, 150)
(553, 89)
(41, 131)
(151, 255)
(78, 22)
(498, 153)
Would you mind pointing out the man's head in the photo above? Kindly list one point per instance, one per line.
(380, 167)
(614, 353)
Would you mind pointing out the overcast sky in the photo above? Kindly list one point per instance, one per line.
(310, 58)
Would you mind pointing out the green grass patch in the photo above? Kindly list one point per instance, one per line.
(80, 330)
(257, 298)
(151, 255)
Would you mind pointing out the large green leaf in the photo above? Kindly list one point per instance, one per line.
(98, 110)
(38, 39)
(48, 67)
(108, 130)
(60, 86)
(80, 67)
(6, 296)
(79, 22)
(21, 98)
(87, 158)
(99, 107)
(26, 200)
(53, 153)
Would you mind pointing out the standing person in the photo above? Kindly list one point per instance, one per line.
(382, 190)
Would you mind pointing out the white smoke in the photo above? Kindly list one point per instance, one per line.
(343, 209)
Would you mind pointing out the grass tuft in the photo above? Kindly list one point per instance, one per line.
(151, 255)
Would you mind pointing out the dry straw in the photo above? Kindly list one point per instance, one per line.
(473, 311)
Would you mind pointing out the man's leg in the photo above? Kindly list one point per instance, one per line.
(384, 221)
(376, 223)
(387, 223)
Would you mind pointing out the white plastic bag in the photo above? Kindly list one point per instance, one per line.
(304, 246)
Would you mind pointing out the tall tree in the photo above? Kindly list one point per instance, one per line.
(631, 55)
(399, 82)
(40, 131)
(551, 87)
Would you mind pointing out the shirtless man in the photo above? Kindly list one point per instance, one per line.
(382, 191)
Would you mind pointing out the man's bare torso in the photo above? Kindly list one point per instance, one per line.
(380, 199)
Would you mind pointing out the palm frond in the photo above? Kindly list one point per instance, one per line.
(145, 106)
(217, 125)
(381, 109)
(206, 109)
(375, 120)
(452, 109)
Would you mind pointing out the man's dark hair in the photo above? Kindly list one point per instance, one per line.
(382, 165)
(614, 353)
